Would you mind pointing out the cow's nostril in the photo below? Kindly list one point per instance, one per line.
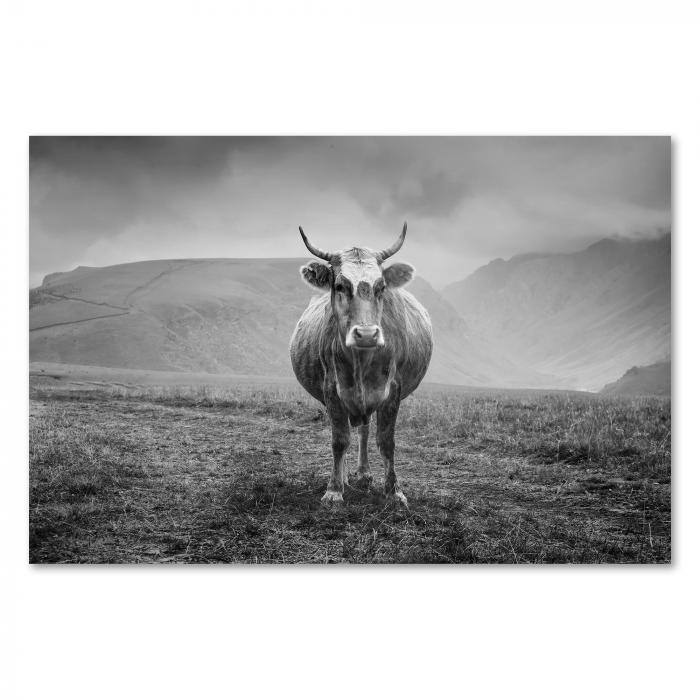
(366, 335)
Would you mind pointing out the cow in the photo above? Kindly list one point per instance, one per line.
(360, 348)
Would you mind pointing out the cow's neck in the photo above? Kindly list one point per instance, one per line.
(362, 361)
(363, 378)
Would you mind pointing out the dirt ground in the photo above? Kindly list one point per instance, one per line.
(199, 475)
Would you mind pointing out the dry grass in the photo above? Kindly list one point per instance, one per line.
(181, 474)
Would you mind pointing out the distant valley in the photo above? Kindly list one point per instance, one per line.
(584, 317)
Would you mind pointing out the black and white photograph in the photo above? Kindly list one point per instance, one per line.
(350, 349)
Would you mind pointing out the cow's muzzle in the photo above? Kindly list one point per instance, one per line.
(364, 337)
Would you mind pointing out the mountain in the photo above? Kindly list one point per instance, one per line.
(642, 381)
(465, 357)
(583, 317)
(219, 316)
(226, 316)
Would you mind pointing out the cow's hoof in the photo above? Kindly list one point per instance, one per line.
(397, 498)
(331, 498)
(364, 481)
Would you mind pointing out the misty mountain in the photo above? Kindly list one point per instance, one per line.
(229, 316)
(642, 381)
(584, 317)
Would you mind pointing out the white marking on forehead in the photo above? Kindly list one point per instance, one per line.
(356, 265)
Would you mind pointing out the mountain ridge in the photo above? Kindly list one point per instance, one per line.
(650, 380)
(226, 316)
(585, 317)
(561, 320)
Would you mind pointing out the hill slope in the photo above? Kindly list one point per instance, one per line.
(190, 315)
(652, 380)
(218, 316)
(583, 317)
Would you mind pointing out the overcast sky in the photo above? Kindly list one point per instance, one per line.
(102, 201)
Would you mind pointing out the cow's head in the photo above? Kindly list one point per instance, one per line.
(357, 282)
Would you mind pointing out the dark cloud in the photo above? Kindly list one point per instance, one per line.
(95, 186)
(111, 157)
(103, 200)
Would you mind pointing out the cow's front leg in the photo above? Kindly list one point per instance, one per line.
(340, 441)
(364, 477)
(386, 423)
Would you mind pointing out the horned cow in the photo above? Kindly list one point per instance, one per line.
(360, 348)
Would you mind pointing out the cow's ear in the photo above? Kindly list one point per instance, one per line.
(316, 274)
(398, 274)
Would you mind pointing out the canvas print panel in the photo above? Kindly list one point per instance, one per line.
(350, 349)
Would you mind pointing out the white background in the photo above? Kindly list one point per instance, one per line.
(347, 67)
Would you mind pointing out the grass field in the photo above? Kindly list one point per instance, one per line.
(197, 475)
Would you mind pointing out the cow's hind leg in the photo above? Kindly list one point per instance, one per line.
(340, 429)
(386, 423)
(364, 477)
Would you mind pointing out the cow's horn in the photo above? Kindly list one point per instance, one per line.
(312, 249)
(388, 252)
